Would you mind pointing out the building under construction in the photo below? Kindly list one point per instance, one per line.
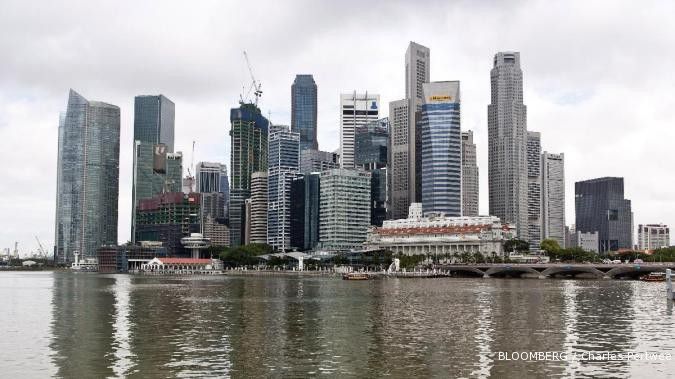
(168, 217)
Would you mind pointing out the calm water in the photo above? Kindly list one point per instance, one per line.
(95, 325)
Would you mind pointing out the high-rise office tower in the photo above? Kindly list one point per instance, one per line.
(553, 197)
(213, 184)
(248, 137)
(303, 111)
(370, 153)
(417, 72)
(507, 143)
(283, 160)
(534, 196)
(399, 160)
(601, 207)
(344, 209)
(439, 125)
(355, 110)
(305, 211)
(470, 179)
(405, 185)
(87, 184)
(258, 217)
(156, 169)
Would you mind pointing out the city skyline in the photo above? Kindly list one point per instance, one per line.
(574, 106)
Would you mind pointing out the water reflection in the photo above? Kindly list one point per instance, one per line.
(132, 326)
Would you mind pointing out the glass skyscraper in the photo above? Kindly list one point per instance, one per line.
(439, 123)
(154, 119)
(305, 195)
(303, 110)
(371, 153)
(87, 187)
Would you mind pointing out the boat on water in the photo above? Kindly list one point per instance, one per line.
(86, 264)
(355, 276)
(654, 277)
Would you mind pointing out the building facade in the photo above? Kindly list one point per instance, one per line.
(400, 190)
(217, 232)
(653, 236)
(586, 241)
(534, 196)
(470, 178)
(441, 235)
(87, 183)
(305, 195)
(553, 197)
(283, 161)
(355, 110)
(248, 137)
(371, 154)
(344, 209)
(304, 110)
(167, 218)
(258, 216)
(439, 124)
(507, 143)
(316, 160)
(600, 206)
(417, 72)
(154, 129)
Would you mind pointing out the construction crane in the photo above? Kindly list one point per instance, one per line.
(255, 85)
(190, 177)
(41, 249)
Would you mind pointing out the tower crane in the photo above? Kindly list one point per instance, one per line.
(255, 85)
(41, 249)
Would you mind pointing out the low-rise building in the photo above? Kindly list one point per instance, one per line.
(121, 259)
(438, 234)
(588, 241)
(653, 236)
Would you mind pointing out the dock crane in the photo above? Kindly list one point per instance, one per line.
(255, 85)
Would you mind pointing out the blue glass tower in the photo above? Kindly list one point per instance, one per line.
(441, 148)
(303, 111)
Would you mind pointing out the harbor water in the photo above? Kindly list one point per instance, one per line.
(85, 325)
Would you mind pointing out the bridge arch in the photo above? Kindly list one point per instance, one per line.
(473, 271)
(572, 270)
(633, 271)
(518, 271)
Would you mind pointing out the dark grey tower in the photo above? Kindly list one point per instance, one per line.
(87, 184)
(601, 207)
(303, 111)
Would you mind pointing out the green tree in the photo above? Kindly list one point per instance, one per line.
(517, 245)
(550, 246)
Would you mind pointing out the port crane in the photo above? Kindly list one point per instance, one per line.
(41, 249)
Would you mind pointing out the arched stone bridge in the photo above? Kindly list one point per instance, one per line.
(550, 270)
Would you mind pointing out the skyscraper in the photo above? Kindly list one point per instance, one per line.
(439, 124)
(399, 160)
(344, 209)
(156, 169)
(417, 72)
(305, 211)
(470, 179)
(355, 110)
(405, 185)
(534, 196)
(303, 111)
(87, 184)
(553, 197)
(213, 184)
(257, 220)
(507, 143)
(283, 162)
(248, 137)
(370, 153)
(316, 160)
(600, 206)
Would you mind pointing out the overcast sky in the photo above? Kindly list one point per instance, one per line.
(598, 80)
